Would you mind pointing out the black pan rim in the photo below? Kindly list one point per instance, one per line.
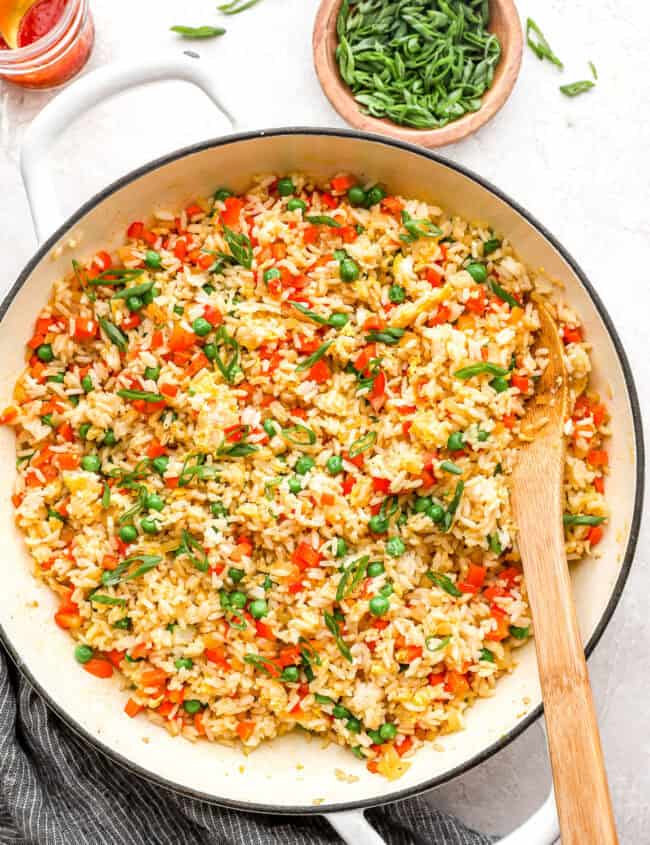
(617, 591)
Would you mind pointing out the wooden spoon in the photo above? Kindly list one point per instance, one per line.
(581, 789)
(504, 22)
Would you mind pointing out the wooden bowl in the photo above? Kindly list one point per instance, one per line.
(504, 23)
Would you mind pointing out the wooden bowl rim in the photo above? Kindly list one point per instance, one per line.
(339, 95)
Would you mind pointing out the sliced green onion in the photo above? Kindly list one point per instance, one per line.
(444, 583)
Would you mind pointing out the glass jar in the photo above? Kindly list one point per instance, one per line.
(56, 57)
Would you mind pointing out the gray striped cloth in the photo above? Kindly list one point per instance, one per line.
(57, 790)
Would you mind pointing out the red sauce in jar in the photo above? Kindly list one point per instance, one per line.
(39, 20)
(58, 60)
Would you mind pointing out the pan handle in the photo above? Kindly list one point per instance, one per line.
(541, 828)
(78, 98)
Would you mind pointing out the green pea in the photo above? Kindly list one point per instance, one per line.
(483, 436)
(109, 438)
(388, 731)
(44, 353)
(341, 548)
(149, 525)
(353, 725)
(183, 663)
(153, 502)
(83, 653)
(87, 383)
(258, 609)
(128, 533)
(422, 504)
(455, 441)
(379, 605)
(375, 195)
(290, 674)
(134, 303)
(46, 419)
(304, 464)
(152, 373)
(152, 259)
(500, 384)
(338, 321)
(395, 546)
(286, 187)
(59, 378)
(222, 194)
(356, 195)
(436, 512)
(217, 509)
(295, 485)
(201, 327)
(84, 428)
(335, 464)
(91, 463)
(375, 736)
(270, 428)
(349, 270)
(235, 574)
(478, 272)
(396, 293)
(340, 712)
(238, 599)
(178, 309)
(296, 205)
(386, 590)
(375, 568)
(193, 705)
(123, 624)
(211, 351)
(74, 400)
(160, 464)
(271, 273)
(208, 288)
(378, 524)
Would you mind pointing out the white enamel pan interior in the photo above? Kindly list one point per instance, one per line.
(292, 774)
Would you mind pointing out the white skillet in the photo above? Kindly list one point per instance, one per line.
(291, 775)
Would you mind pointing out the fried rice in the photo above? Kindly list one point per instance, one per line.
(264, 453)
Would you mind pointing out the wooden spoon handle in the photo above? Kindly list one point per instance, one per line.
(581, 789)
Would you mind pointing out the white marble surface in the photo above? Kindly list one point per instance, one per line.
(580, 165)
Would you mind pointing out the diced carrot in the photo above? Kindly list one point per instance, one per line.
(365, 356)
(340, 184)
(520, 382)
(171, 481)
(157, 339)
(212, 315)
(109, 562)
(477, 302)
(572, 334)
(156, 449)
(180, 248)
(329, 201)
(153, 677)
(595, 535)
(441, 316)
(181, 340)
(16, 500)
(311, 234)
(232, 210)
(263, 630)
(599, 483)
(380, 624)
(99, 667)
(372, 766)
(169, 390)
(502, 630)
(374, 324)
(289, 655)
(597, 458)
(381, 485)
(193, 209)
(85, 329)
(509, 420)
(135, 230)
(476, 575)
(115, 657)
(305, 556)
(132, 708)
(392, 205)
(348, 233)
(245, 729)
(466, 587)
(436, 678)
(217, 656)
(412, 652)
(66, 619)
(434, 277)
(165, 708)
(198, 722)
(175, 695)
(456, 683)
(102, 261)
(404, 746)
(327, 499)
(348, 484)
(509, 575)
(8, 415)
(406, 409)
(131, 322)
(320, 372)
(406, 427)
(139, 650)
